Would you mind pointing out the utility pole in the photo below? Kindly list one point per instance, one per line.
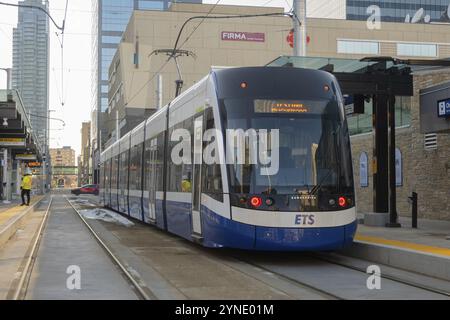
(159, 92)
(299, 10)
(117, 126)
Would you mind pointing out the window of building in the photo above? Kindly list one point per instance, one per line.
(417, 50)
(358, 47)
(363, 170)
(398, 168)
(362, 123)
(151, 5)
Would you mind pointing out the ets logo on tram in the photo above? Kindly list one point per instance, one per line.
(305, 219)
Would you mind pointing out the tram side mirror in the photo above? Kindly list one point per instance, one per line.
(358, 104)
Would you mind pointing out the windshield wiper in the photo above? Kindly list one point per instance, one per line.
(336, 150)
(317, 186)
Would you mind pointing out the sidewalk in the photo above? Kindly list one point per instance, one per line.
(12, 215)
(430, 233)
(423, 250)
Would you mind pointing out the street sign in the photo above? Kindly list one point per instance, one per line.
(26, 157)
(34, 164)
(12, 142)
(444, 108)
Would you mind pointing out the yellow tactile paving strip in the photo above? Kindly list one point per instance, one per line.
(8, 214)
(406, 245)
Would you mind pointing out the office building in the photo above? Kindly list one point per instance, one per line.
(412, 11)
(110, 18)
(30, 75)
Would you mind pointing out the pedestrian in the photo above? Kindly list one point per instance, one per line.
(25, 186)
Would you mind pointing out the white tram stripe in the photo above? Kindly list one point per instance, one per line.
(288, 219)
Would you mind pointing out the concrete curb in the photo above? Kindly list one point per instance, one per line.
(414, 261)
(13, 224)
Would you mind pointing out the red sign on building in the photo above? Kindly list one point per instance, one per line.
(243, 36)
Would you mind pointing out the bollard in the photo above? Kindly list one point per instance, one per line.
(413, 200)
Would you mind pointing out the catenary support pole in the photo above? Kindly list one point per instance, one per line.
(299, 9)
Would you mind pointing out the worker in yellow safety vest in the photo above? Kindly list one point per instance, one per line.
(186, 184)
(25, 186)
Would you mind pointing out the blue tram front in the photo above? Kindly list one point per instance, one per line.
(282, 175)
(306, 200)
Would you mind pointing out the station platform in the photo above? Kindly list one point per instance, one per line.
(425, 250)
(12, 215)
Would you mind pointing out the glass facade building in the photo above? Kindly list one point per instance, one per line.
(399, 10)
(110, 18)
(30, 74)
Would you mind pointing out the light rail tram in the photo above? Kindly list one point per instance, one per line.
(255, 158)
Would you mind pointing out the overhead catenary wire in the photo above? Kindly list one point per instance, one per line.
(236, 16)
(195, 29)
(175, 48)
(34, 7)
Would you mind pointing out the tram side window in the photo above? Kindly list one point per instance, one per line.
(160, 162)
(186, 168)
(123, 173)
(135, 167)
(212, 176)
(114, 172)
(147, 166)
(138, 160)
(107, 175)
(175, 171)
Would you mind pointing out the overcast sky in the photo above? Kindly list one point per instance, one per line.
(75, 90)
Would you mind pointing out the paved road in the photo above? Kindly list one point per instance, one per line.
(67, 242)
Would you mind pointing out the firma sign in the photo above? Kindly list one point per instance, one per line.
(243, 36)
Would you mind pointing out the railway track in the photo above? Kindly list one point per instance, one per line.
(20, 289)
(296, 269)
(143, 293)
(333, 261)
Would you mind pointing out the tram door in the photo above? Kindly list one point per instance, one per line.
(196, 176)
(152, 180)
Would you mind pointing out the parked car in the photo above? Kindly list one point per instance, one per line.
(86, 189)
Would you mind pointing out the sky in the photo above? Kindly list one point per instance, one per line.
(70, 91)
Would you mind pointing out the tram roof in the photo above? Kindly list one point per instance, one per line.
(368, 76)
(341, 65)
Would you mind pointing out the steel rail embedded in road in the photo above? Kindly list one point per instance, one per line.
(383, 275)
(20, 291)
(319, 291)
(142, 292)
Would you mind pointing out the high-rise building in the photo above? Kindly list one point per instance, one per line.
(30, 75)
(415, 11)
(110, 18)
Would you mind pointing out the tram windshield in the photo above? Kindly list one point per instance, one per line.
(313, 146)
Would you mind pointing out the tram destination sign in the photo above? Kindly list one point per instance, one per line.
(280, 106)
(444, 108)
